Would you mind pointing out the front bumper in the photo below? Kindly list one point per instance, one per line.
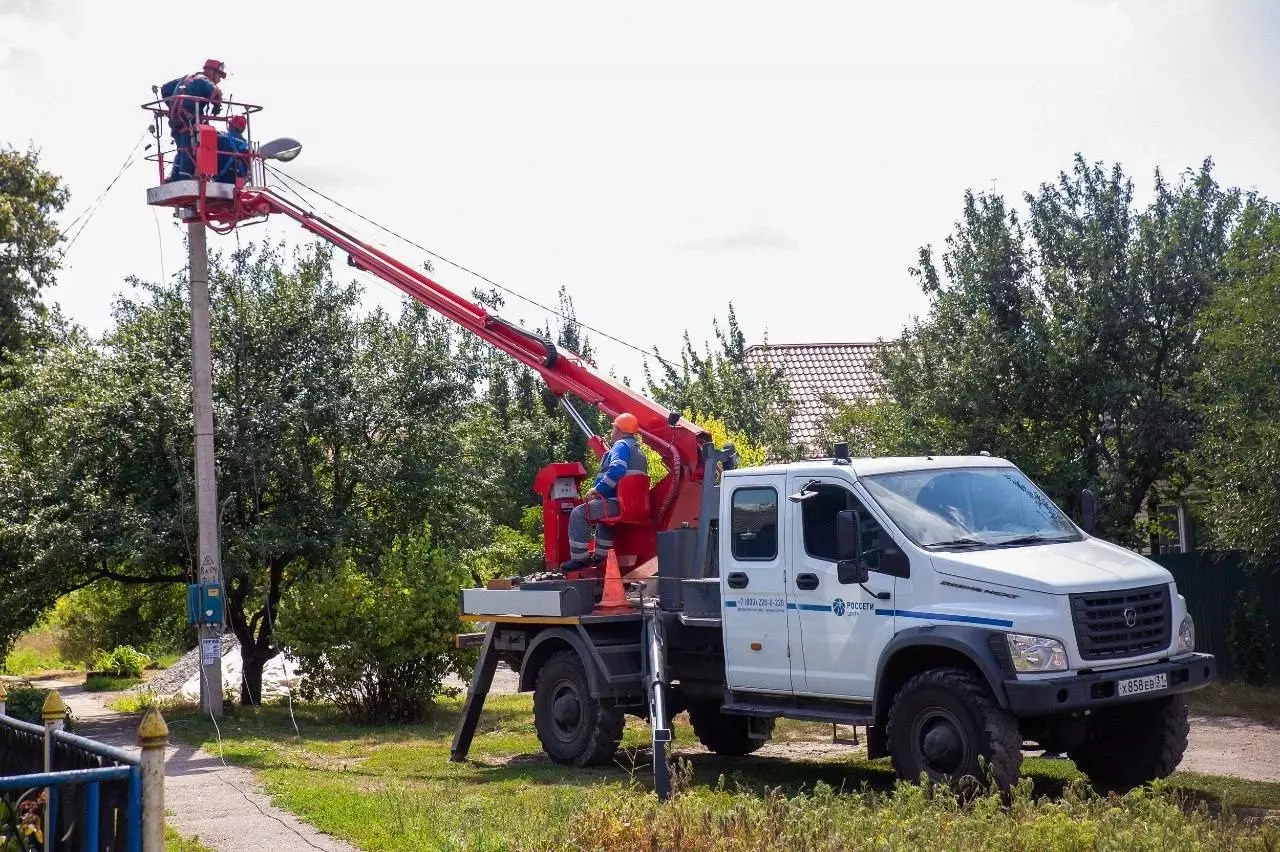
(1073, 693)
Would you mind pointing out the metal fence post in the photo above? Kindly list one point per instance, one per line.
(153, 737)
(54, 715)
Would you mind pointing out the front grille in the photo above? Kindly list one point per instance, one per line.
(1103, 631)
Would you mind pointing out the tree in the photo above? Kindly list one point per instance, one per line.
(29, 198)
(1067, 342)
(331, 432)
(1237, 461)
(751, 399)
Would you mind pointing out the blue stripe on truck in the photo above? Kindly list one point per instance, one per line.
(942, 616)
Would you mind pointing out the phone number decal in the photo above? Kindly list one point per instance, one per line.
(762, 603)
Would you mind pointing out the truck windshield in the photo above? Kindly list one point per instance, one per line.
(970, 508)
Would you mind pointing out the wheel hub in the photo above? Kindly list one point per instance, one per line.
(942, 745)
(567, 710)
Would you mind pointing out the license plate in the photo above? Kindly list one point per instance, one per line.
(1139, 685)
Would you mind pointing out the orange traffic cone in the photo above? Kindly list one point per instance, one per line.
(615, 597)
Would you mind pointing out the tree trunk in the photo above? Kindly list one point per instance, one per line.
(251, 666)
(1153, 518)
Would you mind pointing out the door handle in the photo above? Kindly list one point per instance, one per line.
(737, 580)
(808, 582)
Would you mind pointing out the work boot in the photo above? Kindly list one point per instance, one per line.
(590, 561)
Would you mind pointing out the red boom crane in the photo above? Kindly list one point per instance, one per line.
(670, 503)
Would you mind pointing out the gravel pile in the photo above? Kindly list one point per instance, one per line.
(172, 679)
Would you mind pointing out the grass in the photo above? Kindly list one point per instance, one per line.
(175, 842)
(393, 788)
(108, 683)
(1234, 698)
(36, 652)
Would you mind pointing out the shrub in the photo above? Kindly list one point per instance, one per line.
(122, 662)
(1250, 639)
(26, 701)
(379, 643)
(152, 618)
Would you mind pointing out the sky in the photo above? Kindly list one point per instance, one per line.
(658, 160)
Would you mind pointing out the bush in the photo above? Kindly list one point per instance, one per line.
(123, 662)
(379, 643)
(26, 701)
(1250, 639)
(152, 618)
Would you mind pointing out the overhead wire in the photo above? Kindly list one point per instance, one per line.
(87, 214)
(284, 177)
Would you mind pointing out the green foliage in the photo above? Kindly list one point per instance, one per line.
(1249, 638)
(909, 817)
(123, 662)
(750, 398)
(512, 552)
(107, 614)
(379, 641)
(1237, 462)
(26, 701)
(1066, 342)
(29, 235)
(109, 683)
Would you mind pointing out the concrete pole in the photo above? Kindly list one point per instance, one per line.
(153, 737)
(4, 696)
(210, 570)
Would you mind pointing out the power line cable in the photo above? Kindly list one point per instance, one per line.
(87, 214)
(643, 352)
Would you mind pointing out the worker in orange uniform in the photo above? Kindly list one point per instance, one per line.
(624, 457)
(189, 99)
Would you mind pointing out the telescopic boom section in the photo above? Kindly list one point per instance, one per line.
(673, 501)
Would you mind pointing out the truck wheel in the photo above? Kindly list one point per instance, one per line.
(574, 728)
(942, 721)
(724, 733)
(1131, 744)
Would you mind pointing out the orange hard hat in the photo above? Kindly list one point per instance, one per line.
(626, 423)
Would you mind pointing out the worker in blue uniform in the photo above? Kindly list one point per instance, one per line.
(189, 100)
(233, 151)
(623, 458)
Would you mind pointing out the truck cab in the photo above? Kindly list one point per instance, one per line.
(952, 584)
(945, 604)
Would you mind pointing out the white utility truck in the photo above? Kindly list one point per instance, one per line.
(944, 603)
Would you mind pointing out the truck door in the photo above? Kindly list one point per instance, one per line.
(843, 628)
(753, 585)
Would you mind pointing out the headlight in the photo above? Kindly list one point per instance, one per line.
(1186, 635)
(1036, 653)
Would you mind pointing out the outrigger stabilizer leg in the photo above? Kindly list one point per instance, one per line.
(481, 680)
(656, 680)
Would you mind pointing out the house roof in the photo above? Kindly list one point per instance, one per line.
(815, 371)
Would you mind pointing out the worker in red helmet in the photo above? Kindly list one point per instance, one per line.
(189, 100)
(233, 151)
(624, 457)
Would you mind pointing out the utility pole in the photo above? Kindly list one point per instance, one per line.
(210, 555)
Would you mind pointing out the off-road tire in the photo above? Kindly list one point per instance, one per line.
(942, 721)
(574, 728)
(724, 733)
(1131, 744)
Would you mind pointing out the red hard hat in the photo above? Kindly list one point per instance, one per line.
(215, 65)
(237, 122)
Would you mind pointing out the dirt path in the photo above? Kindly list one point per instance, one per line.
(225, 807)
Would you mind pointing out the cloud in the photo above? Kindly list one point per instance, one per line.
(752, 238)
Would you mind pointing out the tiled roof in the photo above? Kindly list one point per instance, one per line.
(815, 371)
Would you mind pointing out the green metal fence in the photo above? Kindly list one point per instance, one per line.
(1210, 582)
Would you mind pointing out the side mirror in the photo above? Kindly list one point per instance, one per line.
(849, 572)
(1087, 508)
(848, 535)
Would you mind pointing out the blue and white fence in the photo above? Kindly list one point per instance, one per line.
(59, 791)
